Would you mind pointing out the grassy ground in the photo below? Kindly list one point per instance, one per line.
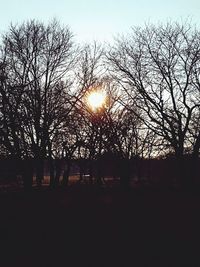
(83, 226)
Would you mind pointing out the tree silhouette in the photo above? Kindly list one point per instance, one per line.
(38, 59)
(158, 69)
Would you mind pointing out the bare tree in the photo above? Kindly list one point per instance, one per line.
(157, 68)
(89, 74)
(39, 60)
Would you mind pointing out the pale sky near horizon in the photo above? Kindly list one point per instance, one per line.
(98, 19)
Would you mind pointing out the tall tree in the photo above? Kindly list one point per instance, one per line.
(39, 60)
(158, 69)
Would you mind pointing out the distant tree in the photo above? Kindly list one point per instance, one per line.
(126, 137)
(89, 76)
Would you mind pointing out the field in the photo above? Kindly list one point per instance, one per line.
(87, 226)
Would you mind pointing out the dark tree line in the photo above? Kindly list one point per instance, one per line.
(152, 107)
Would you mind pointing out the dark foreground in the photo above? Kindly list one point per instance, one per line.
(80, 226)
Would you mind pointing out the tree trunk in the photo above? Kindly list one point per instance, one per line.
(58, 167)
(194, 168)
(125, 173)
(27, 174)
(184, 173)
(52, 171)
(66, 173)
(81, 169)
(39, 172)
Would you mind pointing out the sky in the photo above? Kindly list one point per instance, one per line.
(99, 20)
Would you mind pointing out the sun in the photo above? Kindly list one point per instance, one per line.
(96, 99)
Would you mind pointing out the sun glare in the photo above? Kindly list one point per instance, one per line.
(96, 99)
